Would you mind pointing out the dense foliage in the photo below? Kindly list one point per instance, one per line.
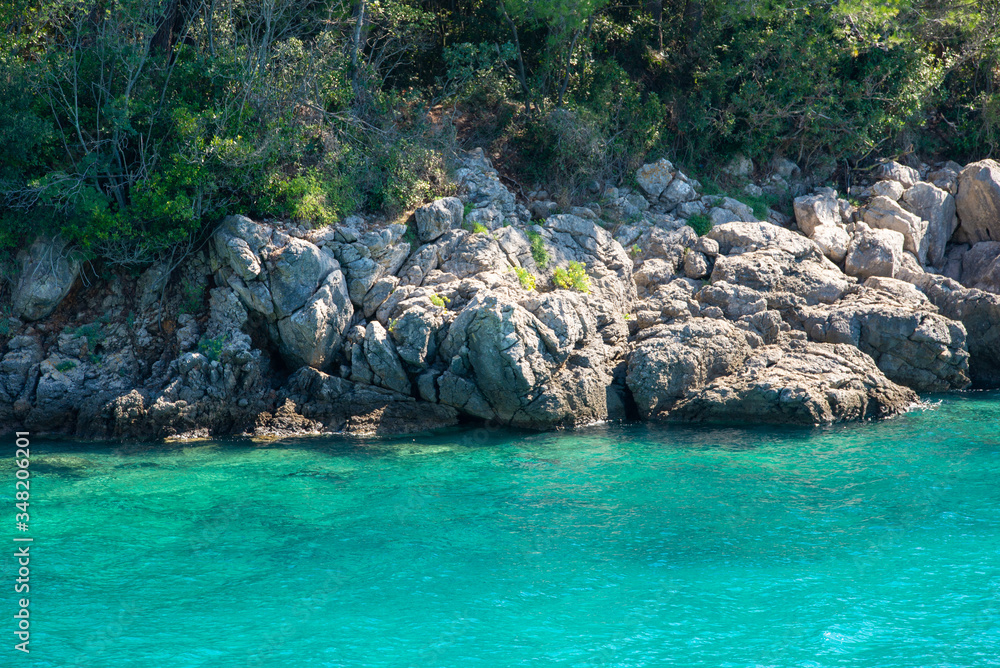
(129, 126)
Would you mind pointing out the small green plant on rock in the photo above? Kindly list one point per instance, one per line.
(759, 203)
(65, 366)
(212, 348)
(574, 277)
(525, 277)
(477, 228)
(440, 301)
(634, 251)
(91, 331)
(192, 296)
(538, 251)
(700, 223)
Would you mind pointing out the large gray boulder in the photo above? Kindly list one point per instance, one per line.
(504, 364)
(735, 238)
(981, 266)
(874, 253)
(296, 286)
(798, 383)
(833, 240)
(777, 272)
(978, 202)
(937, 207)
(672, 360)
(979, 313)
(48, 271)
(375, 361)
(812, 211)
(884, 214)
(654, 178)
(438, 217)
(894, 171)
(909, 340)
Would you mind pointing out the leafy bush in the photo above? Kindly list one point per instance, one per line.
(440, 301)
(525, 277)
(212, 347)
(700, 223)
(573, 277)
(64, 366)
(538, 251)
(192, 297)
(759, 204)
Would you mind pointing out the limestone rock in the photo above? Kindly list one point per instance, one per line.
(832, 240)
(882, 213)
(503, 364)
(981, 266)
(909, 340)
(675, 359)
(678, 192)
(438, 217)
(978, 201)
(894, 171)
(979, 312)
(48, 271)
(813, 211)
(891, 189)
(937, 207)
(654, 178)
(775, 271)
(743, 237)
(383, 360)
(695, 265)
(800, 383)
(874, 253)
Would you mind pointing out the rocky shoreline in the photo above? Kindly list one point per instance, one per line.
(487, 308)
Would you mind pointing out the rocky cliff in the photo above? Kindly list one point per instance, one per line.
(487, 308)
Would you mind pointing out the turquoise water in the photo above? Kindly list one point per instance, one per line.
(869, 545)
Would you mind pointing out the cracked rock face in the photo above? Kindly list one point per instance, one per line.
(48, 272)
(673, 360)
(798, 383)
(752, 322)
(908, 339)
(295, 285)
(505, 364)
(978, 201)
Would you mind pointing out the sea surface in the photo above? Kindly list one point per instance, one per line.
(869, 545)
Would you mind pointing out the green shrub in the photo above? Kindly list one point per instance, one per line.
(700, 223)
(212, 347)
(440, 301)
(760, 204)
(538, 250)
(573, 277)
(192, 296)
(93, 332)
(67, 365)
(477, 228)
(525, 277)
